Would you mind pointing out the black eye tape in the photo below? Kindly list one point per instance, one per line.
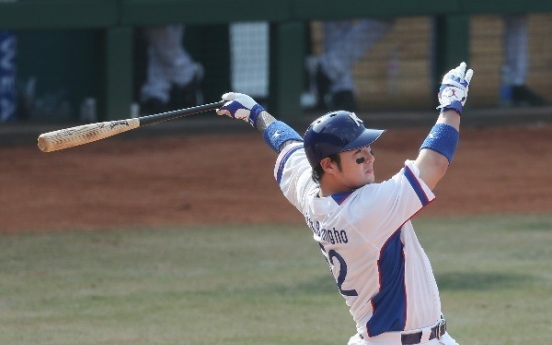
(362, 159)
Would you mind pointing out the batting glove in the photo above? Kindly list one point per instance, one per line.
(240, 106)
(453, 92)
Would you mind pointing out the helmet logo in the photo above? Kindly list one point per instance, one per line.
(356, 119)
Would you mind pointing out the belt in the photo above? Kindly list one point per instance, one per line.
(415, 338)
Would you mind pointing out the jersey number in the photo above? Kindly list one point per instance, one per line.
(342, 273)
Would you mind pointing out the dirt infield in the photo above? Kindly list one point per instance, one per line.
(214, 179)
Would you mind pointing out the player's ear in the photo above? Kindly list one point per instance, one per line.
(328, 165)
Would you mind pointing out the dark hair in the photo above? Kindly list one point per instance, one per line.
(318, 171)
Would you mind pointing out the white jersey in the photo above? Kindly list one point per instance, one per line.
(369, 243)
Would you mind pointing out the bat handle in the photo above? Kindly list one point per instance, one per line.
(173, 114)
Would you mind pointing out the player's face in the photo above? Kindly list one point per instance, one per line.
(357, 167)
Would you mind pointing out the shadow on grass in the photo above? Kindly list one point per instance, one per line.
(480, 281)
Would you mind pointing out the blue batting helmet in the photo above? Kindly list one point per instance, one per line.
(336, 132)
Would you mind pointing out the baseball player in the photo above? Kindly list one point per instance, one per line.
(363, 228)
(345, 42)
(171, 72)
(516, 61)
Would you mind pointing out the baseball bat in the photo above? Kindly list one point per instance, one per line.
(84, 134)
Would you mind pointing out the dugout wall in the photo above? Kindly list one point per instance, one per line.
(88, 47)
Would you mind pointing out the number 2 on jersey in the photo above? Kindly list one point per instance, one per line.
(342, 272)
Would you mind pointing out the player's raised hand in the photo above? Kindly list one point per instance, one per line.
(453, 92)
(240, 106)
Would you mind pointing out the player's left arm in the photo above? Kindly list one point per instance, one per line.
(277, 134)
(438, 148)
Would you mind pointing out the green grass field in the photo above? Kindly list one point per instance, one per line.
(259, 285)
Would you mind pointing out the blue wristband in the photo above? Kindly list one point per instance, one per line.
(454, 105)
(254, 114)
(278, 133)
(443, 138)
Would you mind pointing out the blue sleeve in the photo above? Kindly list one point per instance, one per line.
(443, 138)
(278, 133)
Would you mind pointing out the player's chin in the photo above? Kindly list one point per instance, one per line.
(368, 178)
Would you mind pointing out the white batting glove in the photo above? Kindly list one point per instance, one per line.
(453, 92)
(240, 106)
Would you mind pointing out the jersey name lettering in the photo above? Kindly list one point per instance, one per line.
(329, 235)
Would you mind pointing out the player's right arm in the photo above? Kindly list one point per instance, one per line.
(292, 170)
(277, 134)
(438, 148)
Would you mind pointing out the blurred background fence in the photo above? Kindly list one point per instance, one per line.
(55, 54)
